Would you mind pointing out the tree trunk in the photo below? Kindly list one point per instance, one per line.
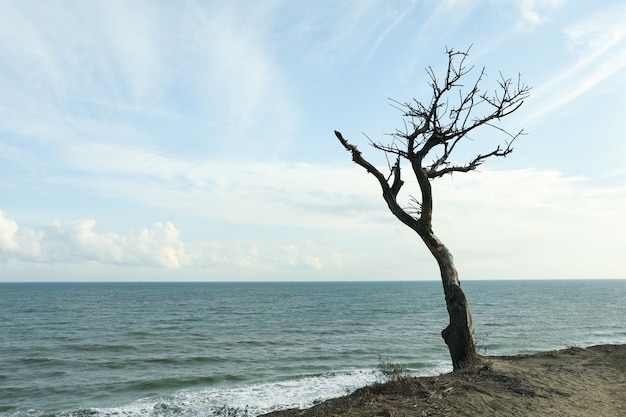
(459, 334)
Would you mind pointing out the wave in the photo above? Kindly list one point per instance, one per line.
(254, 399)
(245, 400)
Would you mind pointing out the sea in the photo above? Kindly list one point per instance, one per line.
(243, 349)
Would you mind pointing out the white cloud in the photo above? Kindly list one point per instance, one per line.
(532, 13)
(160, 246)
(292, 256)
(16, 242)
(531, 223)
(76, 241)
(8, 230)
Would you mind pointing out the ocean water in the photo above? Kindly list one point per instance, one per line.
(210, 349)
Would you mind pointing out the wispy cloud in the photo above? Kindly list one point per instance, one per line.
(232, 42)
(398, 17)
(218, 189)
(533, 13)
(70, 66)
(435, 29)
(598, 46)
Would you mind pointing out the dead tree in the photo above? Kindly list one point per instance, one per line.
(426, 145)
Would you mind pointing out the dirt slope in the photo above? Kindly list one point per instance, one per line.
(570, 382)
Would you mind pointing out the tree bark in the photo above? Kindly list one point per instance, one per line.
(459, 334)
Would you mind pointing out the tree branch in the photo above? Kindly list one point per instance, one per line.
(451, 115)
(389, 192)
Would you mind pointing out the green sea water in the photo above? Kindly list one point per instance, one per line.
(192, 349)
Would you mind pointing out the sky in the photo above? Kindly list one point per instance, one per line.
(193, 140)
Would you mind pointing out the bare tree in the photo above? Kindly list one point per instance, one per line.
(426, 145)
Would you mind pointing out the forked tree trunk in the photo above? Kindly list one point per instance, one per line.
(459, 334)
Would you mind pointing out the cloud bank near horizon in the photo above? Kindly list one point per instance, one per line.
(540, 218)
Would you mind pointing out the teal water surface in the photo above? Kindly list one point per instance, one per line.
(189, 349)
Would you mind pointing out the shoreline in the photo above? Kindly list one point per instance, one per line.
(573, 382)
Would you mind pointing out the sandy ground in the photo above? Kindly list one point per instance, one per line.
(569, 382)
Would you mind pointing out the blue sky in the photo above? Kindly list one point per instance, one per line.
(193, 140)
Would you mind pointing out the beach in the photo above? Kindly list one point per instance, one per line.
(569, 382)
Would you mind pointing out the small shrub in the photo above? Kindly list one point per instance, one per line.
(481, 344)
(392, 372)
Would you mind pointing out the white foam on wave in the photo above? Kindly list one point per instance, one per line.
(254, 399)
(247, 400)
